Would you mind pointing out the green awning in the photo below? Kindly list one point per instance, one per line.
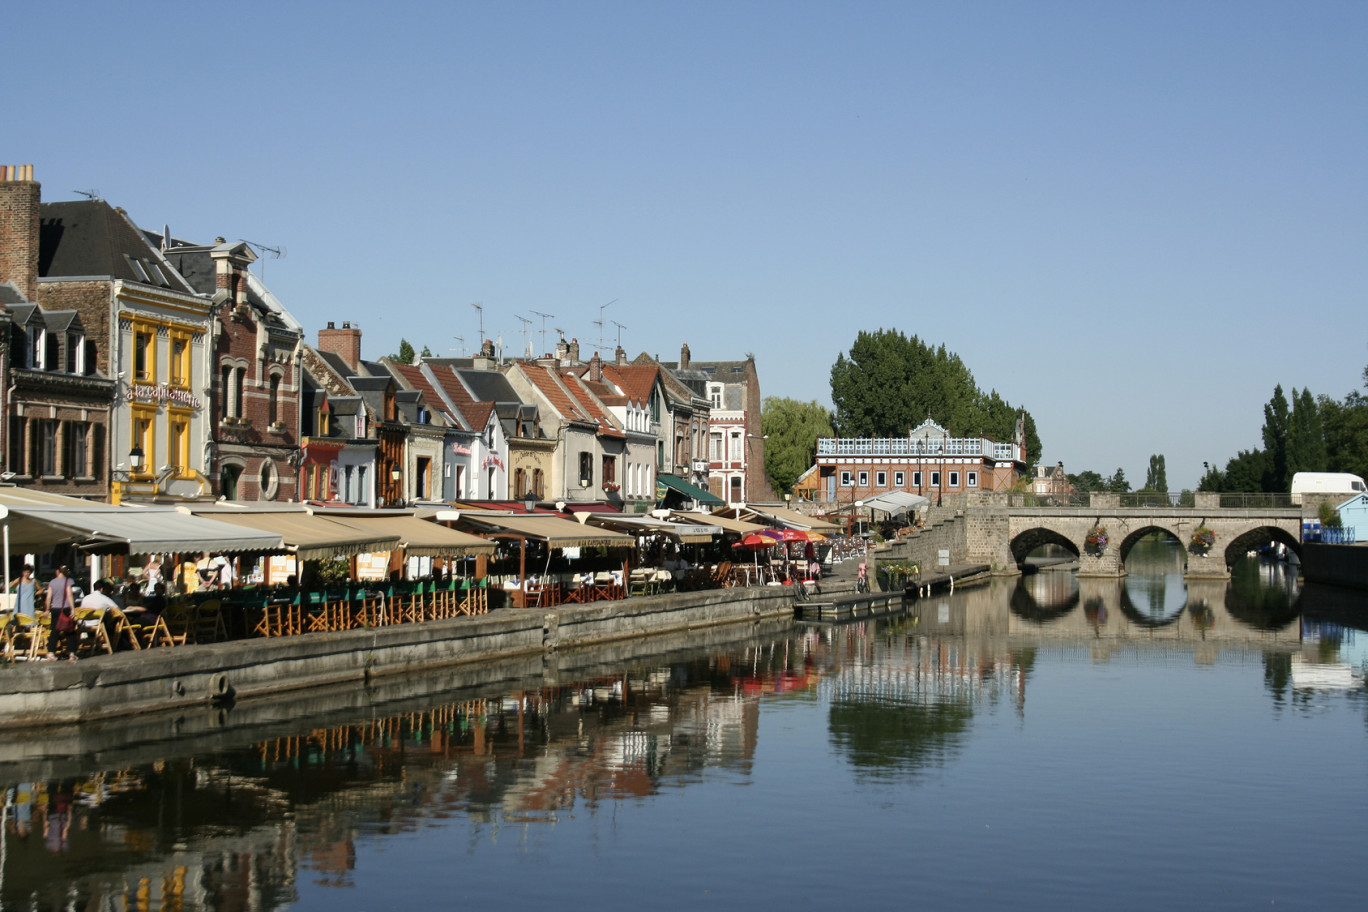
(693, 492)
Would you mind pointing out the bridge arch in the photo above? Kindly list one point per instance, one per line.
(1028, 540)
(1256, 538)
(1133, 537)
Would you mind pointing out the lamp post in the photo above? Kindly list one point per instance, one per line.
(395, 477)
(122, 477)
(529, 501)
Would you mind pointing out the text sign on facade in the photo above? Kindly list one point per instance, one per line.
(943, 557)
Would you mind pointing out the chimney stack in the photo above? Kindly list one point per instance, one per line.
(20, 199)
(344, 342)
(574, 351)
(684, 357)
(595, 369)
(620, 356)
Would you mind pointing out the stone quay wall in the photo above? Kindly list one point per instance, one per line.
(130, 683)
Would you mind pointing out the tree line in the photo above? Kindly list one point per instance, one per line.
(887, 384)
(1301, 433)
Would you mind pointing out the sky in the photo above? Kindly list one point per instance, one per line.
(1134, 220)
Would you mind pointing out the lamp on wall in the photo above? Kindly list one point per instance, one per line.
(135, 458)
(530, 500)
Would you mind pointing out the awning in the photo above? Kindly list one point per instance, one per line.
(793, 519)
(130, 530)
(693, 492)
(894, 502)
(421, 538)
(639, 524)
(309, 536)
(740, 527)
(553, 530)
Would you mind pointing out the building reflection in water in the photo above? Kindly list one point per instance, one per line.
(241, 827)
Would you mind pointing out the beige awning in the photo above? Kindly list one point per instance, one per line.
(421, 538)
(553, 530)
(738, 526)
(640, 524)
(309, 536)
(104, 528)
(794, 519)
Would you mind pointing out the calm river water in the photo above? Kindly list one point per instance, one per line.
(1056, 743)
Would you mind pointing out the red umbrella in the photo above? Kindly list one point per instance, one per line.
(789, 535)
(756, 541)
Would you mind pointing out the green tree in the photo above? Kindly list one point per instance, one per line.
(425, 353)
(1087, 481)
(1306, 435)
(1213, 479)
(1246, 471)
(1156, 478)
(1277, 424)
(792, 429)
(406, 354)
(889, 383)
(1117, 484)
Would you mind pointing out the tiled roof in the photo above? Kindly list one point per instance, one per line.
(636, 380)
(412, 376)
(546, 383)
(92, 238)
(580, 389)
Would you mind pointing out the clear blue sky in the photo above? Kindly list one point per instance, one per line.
(1133, 219)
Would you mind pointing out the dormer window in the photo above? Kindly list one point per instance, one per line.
(75, 353)
(37, 338)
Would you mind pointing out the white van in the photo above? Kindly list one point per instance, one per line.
(1326, 483)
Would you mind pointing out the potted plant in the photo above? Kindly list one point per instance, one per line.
(1202, 540)
(1097, 540)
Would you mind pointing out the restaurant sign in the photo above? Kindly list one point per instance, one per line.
(162, 394)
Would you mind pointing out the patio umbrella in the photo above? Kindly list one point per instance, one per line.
(755, 542)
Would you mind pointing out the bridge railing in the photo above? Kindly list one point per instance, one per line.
(1233, 500)
(1158, 499)
(1049, 500)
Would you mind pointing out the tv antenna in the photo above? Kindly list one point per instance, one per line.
(460, 339)
(525, 321)
(543, 329)
(480, 308)
(620, 328)
(276, 253)
(91, 194)
(599, 321)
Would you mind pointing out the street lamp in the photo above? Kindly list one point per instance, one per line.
(135, 458)
(530, 500)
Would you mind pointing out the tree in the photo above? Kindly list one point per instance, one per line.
(405, 355)
(1087, 481)
(1156, 478)
(1246, 471)
(1306, 435)
(890, 383)
(1117, 484)
(792, 429)
(425, 353)
(1275, 432)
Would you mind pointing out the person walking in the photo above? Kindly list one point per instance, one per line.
(26, 591)
(59, 603)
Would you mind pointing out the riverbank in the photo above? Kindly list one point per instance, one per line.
(1335, 565)
(165, 679)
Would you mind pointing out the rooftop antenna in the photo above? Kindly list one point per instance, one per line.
(275, 252)
(620, 329)
(460, 339)
(543, 329)
(599, 321)
(91, 194)
(526, 344)
(480, 308)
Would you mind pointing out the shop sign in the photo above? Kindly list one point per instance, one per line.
(162, 394)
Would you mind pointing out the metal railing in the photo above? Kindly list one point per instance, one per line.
(902, 446)
(1233, 500)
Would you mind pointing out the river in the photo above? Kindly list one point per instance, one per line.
(1033, 744)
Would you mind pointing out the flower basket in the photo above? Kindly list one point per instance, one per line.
(611, 487)
(1203, 539)
(1097, 540)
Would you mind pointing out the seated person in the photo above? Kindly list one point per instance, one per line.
(100, 597)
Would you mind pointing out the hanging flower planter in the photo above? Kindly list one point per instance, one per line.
(1097, 540)
(1203, 539)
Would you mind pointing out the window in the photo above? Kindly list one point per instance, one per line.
(52, 359)
(17, 449)
(847, 479)
(735, 490)
(881, 479)
(736, 455)
(362, 494)
(537, 483)
(36, 336)
(226, 391)
(519, 484)
(864, 479)
(898, 479)
(324, 421)
(47, 447)
(275, 399)
(420, 479)
(228, 481)
(609, 470)
(180, 359)
(75, 353)
(586, 469)
(715, 395)
(74, 439)
(144, 355)
(141, 437)
(349, 484)
(935, 479)
(971, 479)
(916, 479)
(715, 440)
(178, 441)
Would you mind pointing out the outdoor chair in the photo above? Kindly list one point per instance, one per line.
(209, 623)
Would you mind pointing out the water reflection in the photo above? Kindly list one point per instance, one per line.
(273, 809)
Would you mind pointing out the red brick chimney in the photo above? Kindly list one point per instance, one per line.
(684, 357)
(20, 198)
(344, 342)
(595, 369)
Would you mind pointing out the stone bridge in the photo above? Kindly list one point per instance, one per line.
(1002, 535)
